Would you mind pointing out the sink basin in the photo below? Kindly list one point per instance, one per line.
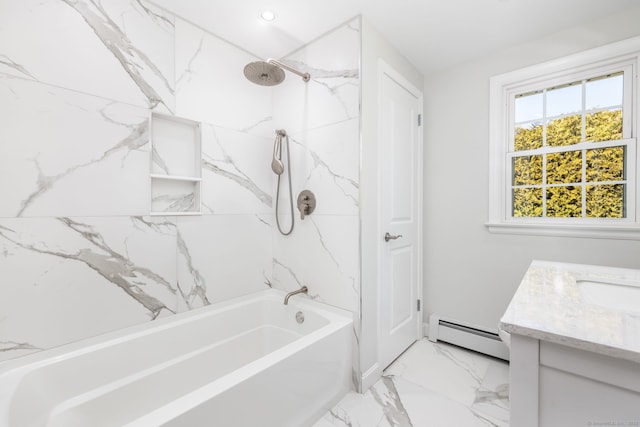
(619, 296)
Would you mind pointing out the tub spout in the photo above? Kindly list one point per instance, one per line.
(302, 290)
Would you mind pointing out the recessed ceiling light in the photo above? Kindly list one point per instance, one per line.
(267, 15)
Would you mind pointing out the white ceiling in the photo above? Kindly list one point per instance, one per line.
(432, 34)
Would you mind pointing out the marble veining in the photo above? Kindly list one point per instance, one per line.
(75, 211)
(347, 186)
(15, 346)
(235, 168)
(209, 249)
(292, 275)
(77, 42)
(217, 166)
(209, 72)
(181, 202)
(330, 254)
(198, 288)
(188, 68)
(259, 124)
(71, 139)
(551, 305)
(392, 407)
(460, 396)
(22, 71)
(105, 261)
(137, 139)
(335, 82)
(328, 265)
(160, 19)
(159, 162)
(130, 57)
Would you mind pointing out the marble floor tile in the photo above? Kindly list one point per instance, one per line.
(430, 385)
(492, 398)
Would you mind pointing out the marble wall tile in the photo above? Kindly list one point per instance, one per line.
(66, 279)
(322, 119)
(120, 49)
(323, 254)
(236, 172)
(74, 153)
(326, 161)
(211, 87)
(64, 153)
(175, 145)
(169, 196)
(221, 257)
(333, 94)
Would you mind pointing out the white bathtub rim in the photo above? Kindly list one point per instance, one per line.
(13, 370)
(90, 344)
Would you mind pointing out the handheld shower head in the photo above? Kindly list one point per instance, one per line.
(277, 166)
(270, 72)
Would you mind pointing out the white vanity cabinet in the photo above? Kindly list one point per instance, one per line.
(555, 385)
(575, 361)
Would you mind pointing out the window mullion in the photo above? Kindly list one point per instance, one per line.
(584, 181)
(583, 191)
(544, 155)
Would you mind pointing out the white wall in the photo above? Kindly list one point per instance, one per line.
(470, 274)
(374, 47)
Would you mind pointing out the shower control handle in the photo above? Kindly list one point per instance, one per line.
(306, 203)
(304, 209)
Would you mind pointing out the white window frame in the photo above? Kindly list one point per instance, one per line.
(503, 88)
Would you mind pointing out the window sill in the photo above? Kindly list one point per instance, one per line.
(628, 232)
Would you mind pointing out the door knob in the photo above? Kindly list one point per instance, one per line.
(388, 236)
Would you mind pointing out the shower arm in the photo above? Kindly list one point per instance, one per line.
(305, 76)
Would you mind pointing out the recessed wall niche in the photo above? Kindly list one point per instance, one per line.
(176, 173)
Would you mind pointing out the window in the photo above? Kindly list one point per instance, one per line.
(563, 147)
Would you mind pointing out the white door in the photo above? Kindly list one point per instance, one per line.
(401, 198)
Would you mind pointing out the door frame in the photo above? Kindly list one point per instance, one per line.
(385, 69)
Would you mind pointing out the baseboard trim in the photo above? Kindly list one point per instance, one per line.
(370, 377)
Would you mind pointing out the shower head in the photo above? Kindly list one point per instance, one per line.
(270, 72)
(263, 74)
(276, 163)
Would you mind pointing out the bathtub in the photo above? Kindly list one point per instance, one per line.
(244, 362)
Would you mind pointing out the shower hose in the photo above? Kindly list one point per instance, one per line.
(279, 135)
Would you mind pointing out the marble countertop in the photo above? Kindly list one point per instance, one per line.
(587, 307)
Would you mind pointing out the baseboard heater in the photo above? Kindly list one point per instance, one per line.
(467, 337)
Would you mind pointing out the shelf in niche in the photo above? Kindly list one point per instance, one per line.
(175, 178)
(176, 172)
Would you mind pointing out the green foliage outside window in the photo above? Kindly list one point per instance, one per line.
(527, 202)
(605, 201)
(563, 170)
(604, 126)
(564, 202)
(528, 139)
(564, 131)
(605, 164)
